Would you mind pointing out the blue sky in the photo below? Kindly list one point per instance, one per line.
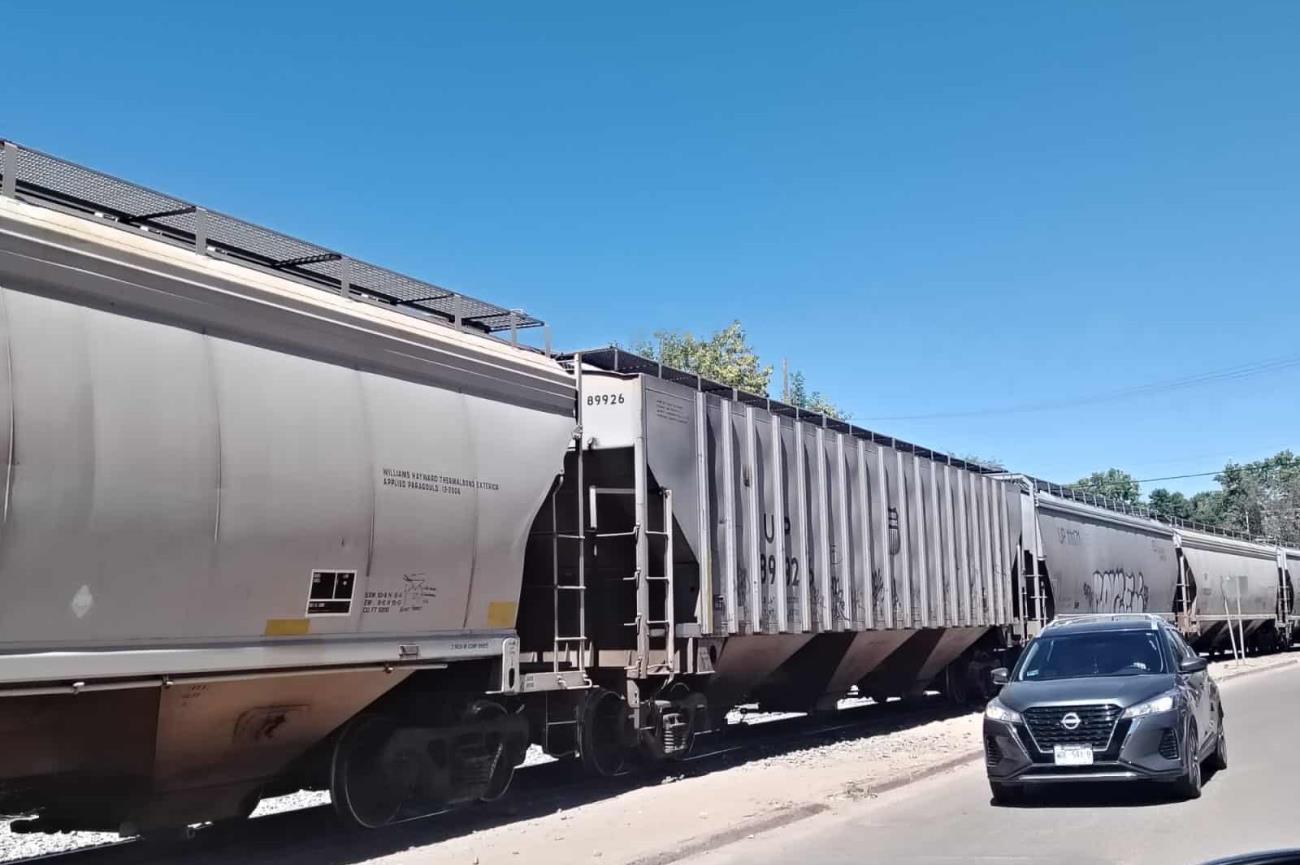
(930, 208)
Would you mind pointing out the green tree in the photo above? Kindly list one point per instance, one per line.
(1112, 483)
(1170, 504)
(1206, 507)
(800, 396)
(1263, 498)
(725, 357)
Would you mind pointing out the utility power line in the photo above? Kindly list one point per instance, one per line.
(1207, 474)
(1179, 477)
(1212, 376)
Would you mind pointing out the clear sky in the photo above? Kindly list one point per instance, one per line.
(931, 208)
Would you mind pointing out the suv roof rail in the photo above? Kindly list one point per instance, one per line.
(1066, 620)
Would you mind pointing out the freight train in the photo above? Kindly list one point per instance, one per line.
(277, 518)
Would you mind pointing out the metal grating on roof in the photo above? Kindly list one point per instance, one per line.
(44, 179)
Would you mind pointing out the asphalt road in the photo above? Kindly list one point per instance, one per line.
(1253, 805)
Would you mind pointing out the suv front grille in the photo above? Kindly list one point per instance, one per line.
(1096, 722)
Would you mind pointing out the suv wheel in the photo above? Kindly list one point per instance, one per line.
(1220, 759)
(1007, 794)
(1189, 786)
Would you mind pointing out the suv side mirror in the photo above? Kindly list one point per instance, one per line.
(1000, 676)
(1192, 665)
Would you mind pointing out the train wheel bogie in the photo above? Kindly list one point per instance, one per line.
(674, 722)
(384, 771)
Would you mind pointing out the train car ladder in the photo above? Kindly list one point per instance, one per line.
(1184, 590)
(1035, 597)
(572, 648)
(659, 622)
(570, 653)
(1285, 603)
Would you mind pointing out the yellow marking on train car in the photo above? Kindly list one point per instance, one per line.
(501, 614)
(287, 627)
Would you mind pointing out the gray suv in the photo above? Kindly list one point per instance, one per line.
(1104, 698)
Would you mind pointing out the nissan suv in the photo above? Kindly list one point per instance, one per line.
(1104, 698)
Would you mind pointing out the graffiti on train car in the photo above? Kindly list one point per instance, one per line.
(1117, 591)
(877, 594)
(838, 608)
(770, 570)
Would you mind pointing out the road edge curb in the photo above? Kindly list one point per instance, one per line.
(795, 814)
(1241, 674)
(928, 772)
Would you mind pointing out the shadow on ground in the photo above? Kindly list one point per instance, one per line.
(312, 835)
(1098, 794)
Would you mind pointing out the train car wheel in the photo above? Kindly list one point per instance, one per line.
(368, 781)
(956, 682)
(503, 767)
(602, 736)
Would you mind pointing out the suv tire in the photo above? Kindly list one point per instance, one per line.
(1189, 786)
(1220, 759)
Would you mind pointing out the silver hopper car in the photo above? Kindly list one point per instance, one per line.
(252, 488)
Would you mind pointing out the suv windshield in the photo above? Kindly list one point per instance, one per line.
(1098, 653)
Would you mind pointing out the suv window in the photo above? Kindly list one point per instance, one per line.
(1175, 646)
(1180, 646)
(1093, 653)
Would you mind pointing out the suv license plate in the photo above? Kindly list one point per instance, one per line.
(1073, 755)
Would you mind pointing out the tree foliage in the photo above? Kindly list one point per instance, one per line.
(800, 396)
(726, 356)
(1263, 498)
(1112, 483)
(1260, 498)
(1170, 504)
(1203, 507)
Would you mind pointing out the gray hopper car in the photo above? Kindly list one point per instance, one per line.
(1099, 559)
(276, 518)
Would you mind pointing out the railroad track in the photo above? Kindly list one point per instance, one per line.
(311, 835)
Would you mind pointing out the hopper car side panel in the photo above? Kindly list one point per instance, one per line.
(1228, 574)
(169, 487)
(1101, 562)
(827, 502)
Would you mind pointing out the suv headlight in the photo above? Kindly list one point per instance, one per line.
(1163, 703)
(995, 711)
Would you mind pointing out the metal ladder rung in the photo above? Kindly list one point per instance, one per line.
(564, 536)
(630, 534)
(567, 588)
